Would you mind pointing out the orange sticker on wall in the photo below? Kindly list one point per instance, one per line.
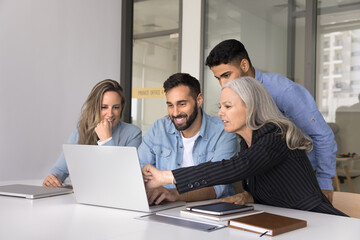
(156, 92)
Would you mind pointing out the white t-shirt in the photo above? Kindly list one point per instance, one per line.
(188, 148)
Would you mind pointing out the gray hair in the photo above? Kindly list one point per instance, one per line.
(261, 109)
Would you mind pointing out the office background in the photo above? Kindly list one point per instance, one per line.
(52, 52)
(51, 55)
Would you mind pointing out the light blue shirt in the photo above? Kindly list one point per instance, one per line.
(162, 147)
(123, 134)
(296, 103)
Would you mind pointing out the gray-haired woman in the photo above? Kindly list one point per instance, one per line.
(272, 161)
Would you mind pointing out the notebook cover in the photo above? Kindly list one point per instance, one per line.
(220, 208)
(220, 217)
(277, 223)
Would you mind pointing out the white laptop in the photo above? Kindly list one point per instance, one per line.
(109, 176)
(32, 192)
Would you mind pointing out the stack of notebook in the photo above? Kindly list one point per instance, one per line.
(220, 211)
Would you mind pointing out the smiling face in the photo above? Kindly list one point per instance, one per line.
(233, 112)
(183, 109)
(111, 107)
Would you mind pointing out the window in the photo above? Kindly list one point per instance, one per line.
(327, 44)
(337, 70)
(326, 72)
(155, 58)
(338, 56)
(260, 25)
(355, 54)
(338, 42)
(326, 58)
(355, 68)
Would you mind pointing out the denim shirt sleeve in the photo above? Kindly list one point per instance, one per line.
(145, 150)
(135, 140)
(157, 148)
(125, 135)
(60, 169)
(219, 145)
(128, 135)
(299, 105)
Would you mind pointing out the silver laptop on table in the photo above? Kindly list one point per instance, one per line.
(32, 192)
(109, 176)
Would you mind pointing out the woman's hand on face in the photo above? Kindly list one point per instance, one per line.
(155, 178)
(240, 198)
(104, 129)
(52, 181)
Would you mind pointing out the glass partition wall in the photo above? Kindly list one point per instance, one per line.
(155, 57)
(278, 37)
(314, 43)
(260, 25)
(338, 81)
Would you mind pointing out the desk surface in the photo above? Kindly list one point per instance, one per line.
(62, 218)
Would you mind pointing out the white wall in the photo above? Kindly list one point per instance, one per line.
(52, 52)
(191, 37)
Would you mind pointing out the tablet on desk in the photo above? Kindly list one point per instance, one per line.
(220, 208)
(32, 192)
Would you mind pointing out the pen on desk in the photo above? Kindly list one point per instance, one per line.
(147, 215)
(263, 233)
(216, 228)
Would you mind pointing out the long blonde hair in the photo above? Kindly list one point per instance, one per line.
(91, 110)
(261, 109)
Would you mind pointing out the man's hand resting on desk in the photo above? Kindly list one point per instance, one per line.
(160, 194)
(329, 194)
(52, 181)
(240, 198)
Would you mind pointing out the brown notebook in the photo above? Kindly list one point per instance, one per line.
(268, 223)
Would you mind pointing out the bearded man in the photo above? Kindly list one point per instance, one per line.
(187, 137)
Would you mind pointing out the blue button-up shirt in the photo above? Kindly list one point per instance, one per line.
(123, 134)
(296, 103)
(162, 146)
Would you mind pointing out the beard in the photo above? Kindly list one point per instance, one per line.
(189, 120)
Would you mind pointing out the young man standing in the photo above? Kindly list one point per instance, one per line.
(229, 60)
(187, 137)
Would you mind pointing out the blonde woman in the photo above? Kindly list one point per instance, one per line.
(272, 161)
(99, 124)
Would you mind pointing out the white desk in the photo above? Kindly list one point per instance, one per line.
(62, 218)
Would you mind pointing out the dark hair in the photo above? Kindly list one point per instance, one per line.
(184, 79)
(229, 51)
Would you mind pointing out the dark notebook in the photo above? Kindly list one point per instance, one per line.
(220, 208)
(268, 223)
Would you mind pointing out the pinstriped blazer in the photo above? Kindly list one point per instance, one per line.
(273, 174)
